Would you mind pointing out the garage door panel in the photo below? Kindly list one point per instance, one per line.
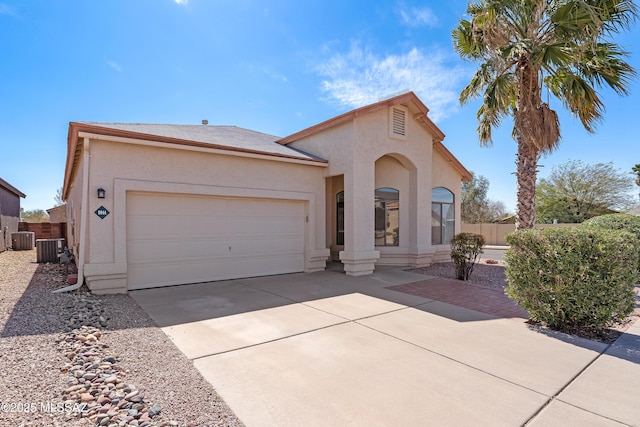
(171, 250)
(150, 226)
(174, 204)
(176, 239)
(170, 273)
(148, 251)
(285, 246)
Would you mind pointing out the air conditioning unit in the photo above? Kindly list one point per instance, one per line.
(23, 240)
(47, 250)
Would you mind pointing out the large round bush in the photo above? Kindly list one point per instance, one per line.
(578, 279)
(624, 222)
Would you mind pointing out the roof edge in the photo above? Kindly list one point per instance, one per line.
(367, 109)
(11, 188)
(440, 148)
(75, 128)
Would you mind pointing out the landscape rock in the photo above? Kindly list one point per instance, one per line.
(97, 381)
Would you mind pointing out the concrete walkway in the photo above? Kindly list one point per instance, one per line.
(326, 349)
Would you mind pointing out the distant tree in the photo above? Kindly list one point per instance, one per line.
(58, 198)
(575, 192)
(497, 209)
(476, 206)
(35, 215)
(636, 171)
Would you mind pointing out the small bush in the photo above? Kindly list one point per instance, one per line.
(576, 280)
(626, 222)
(465, 250)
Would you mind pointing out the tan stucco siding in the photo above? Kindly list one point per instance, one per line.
(75, 217)
(335, 145)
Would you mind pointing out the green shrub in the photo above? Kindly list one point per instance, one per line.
(626, 222)
(573, 279)
(465, 250)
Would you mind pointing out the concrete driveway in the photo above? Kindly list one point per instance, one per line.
(326, 349)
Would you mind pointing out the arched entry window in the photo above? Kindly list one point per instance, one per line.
(387, 217)
(340, 218)
(443, 218)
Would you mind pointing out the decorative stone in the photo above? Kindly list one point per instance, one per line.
(155, 410)
(132, 395)
(73, 388)
(86, 397)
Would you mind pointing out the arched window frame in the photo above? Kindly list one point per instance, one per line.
(443, 217)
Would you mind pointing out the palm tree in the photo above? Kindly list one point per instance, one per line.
(523, 45)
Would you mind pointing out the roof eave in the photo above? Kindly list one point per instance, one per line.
(75, 128)
(438, 135)
(464, 172)
(11, 188)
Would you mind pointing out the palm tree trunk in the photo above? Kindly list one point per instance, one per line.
(526, 172)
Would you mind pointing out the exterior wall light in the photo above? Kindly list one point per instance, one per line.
(101, 193)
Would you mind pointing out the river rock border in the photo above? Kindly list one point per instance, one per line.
(96, 388)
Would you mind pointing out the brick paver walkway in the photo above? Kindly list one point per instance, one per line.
(456, 292)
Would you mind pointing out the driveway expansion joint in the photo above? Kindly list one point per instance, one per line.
(451, 359)
(564, 387)
(266, 342)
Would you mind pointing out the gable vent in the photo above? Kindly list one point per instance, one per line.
(398, 123)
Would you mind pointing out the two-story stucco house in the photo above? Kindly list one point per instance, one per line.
(157, 205)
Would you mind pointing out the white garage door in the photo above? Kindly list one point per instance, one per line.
(176, 239)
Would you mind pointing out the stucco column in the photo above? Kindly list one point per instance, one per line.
(359, 255)
(420, 246)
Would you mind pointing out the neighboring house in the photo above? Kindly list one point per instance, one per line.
(196, 203)
(9, 212)
(57, 214)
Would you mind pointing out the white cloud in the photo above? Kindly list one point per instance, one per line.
(115, 66)
(5, 9)
(418, 17)
(359, 78)
(181, 1)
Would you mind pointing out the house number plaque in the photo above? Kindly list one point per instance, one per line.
(102, 212)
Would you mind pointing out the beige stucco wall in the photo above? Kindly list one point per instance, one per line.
(74, 214)
(363, 157)
(121, 167)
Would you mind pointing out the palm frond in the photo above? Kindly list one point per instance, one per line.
(465, 43)
(580, 98)
(499, 100)
(604, 65)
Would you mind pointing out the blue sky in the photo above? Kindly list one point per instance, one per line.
(272, 66)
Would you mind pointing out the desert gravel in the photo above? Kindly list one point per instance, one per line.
(32, 318)
(485, 275)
